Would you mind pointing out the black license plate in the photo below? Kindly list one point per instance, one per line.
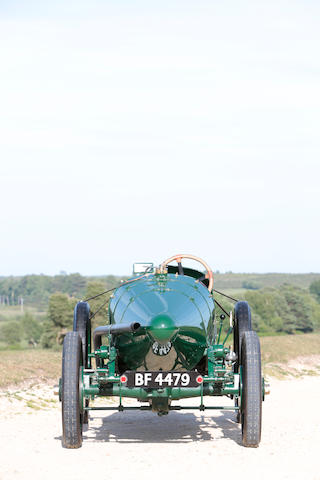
(162, 379)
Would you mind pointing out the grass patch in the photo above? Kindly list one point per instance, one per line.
(33, 405)
(281, 349)
(17, 397)
(277, 352)
(13, 312)
(29, 365)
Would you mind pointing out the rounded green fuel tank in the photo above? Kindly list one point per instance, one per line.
(176, 316)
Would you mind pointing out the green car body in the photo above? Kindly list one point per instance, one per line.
(176, 316)
(163, 343)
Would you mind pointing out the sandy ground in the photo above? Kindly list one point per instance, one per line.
(141, 444)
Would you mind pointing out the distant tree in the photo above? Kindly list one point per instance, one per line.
(249, 285)
(49, 336)
(11, 332)
(59, 319)
(77, 284)
(60, 310)
(299, 308)
(32, 329)
(36, 289)
(315, 307)
(286, 309)
(276, 323)
(315, 289)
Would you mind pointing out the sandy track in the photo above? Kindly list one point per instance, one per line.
(141, 444)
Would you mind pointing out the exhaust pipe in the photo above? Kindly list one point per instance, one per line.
(112, 330)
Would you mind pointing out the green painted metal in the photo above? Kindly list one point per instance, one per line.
(230, 330)
(112, 361)
(89, 347)
(162, 327)
(220, 329)
(176, 314)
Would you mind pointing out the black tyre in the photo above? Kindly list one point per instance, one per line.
(251, 397)
(82, 325)
(71, 414)
(242, 323)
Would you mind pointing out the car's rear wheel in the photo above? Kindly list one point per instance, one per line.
(242, 323)
(82, 325)
(72, 417)
(251, 394)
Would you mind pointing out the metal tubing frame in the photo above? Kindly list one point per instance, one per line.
(220, 330)
(120, 408)
(227, 335)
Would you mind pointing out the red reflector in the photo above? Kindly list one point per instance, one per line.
(199, 379)
(123, 379)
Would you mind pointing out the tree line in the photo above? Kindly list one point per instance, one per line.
(287, 309)
(47, 328)
(35, 290)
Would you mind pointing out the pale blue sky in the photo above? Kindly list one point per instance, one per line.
(131, 131)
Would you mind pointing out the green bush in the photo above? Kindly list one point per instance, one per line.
(32, 329)
(11, 332)
(315, 289)
(250, 285)
(286, 309)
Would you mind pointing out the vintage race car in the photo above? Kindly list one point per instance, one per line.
(164, 342)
